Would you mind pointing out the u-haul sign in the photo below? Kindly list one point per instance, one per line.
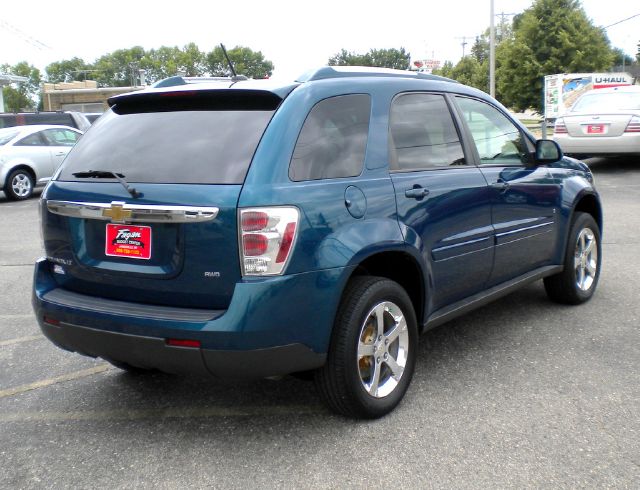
(562, 90)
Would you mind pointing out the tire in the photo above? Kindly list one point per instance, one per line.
(364, 349)
(583, 257)
(19, 185)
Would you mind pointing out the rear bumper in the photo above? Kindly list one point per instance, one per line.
(628, 143)
(273, 326)
(154, 353)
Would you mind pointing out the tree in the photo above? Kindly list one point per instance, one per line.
(552, 36)
(68, 70)
(168, 61)
(247, 62)
(25, 96)
(638, 53)
(119, 69)
(398, 59)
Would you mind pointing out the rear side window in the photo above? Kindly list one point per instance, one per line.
(333, 139)
(422, 134)
(194, 146)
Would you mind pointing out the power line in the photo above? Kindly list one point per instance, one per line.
(25, 37)
(621, 21)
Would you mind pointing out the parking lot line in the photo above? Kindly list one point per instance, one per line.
(52, 381)
(161, 413)
(19, 340)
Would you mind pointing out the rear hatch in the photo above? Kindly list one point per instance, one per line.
(144, 207)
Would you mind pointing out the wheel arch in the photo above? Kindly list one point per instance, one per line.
(589, 203)
(402, 267)
(21, 166)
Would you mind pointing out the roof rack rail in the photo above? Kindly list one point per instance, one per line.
(328, 72)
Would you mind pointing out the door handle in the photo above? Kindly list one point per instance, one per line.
(416, 192)
(60, 153)
(500, 185)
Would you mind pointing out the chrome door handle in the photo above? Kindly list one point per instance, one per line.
(500, 185)
(416, 193)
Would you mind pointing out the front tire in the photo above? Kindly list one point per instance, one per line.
(583, 257)
(372, 354)
(19, 185)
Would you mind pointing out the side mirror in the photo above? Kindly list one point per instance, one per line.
(547, 151)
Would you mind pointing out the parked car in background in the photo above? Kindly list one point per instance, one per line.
(29, 156)
(258, 228)
(72, 119)
(92, 116)
(602, 122)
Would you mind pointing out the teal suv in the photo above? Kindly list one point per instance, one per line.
(256, 229)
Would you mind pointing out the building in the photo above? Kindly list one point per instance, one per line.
(79, 96)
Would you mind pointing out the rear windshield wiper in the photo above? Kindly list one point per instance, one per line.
(106, 174)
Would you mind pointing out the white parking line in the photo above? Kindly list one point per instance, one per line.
(52, 381)
(20, 340)
(162, 413)
(10, 317)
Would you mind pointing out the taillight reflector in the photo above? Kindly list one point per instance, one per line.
(183, 343)
(51, 321)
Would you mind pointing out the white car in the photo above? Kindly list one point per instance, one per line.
(29, 156)
(602, 122)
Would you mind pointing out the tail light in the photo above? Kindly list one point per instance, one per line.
(267, 236)
(633, 126)
(560, 127)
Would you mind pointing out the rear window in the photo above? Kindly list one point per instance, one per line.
(172, 146)
(607, 102)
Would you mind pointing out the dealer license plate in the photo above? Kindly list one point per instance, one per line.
(133, 242)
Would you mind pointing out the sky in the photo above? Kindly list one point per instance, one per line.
(295, 36)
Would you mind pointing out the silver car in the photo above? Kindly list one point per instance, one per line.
(29, 155)
(602, 122)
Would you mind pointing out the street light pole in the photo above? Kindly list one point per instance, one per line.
(492, 54)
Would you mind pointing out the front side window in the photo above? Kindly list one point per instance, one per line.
(497, 139)
(34, 139)
(333, 139)
(422, 134)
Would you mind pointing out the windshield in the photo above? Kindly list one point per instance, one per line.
(177, 146)
(612, 101)
(7, 135)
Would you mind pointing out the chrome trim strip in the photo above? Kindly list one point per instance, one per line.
(140, 213)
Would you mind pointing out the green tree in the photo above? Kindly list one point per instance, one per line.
(398, 59)
(26, 95)
(247, 62)
(552, 36)
(168, 61)
(119, 69)
(638, 53)
(68, 70)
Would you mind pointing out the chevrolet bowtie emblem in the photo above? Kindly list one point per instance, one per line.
(117, 213)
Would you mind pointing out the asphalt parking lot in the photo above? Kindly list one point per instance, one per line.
(522, 393)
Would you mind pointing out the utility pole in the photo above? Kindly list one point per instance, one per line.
(464, 42)
(492, 53)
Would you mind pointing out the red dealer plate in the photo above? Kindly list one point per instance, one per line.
(595, 128)
(133, 242)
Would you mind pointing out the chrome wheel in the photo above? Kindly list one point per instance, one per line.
(586, 259)
(383, 347)
(21, 185)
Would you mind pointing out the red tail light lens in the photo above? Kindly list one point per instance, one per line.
(254, 244)
(267, 237)
(287, 241)
(254, 221)
(633, 126)
(560, 127)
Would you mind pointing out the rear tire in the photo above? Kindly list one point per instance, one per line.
(19, 185)
(583, 257)
(372, 354)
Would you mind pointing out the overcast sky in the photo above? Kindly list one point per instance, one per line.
(294, 35)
